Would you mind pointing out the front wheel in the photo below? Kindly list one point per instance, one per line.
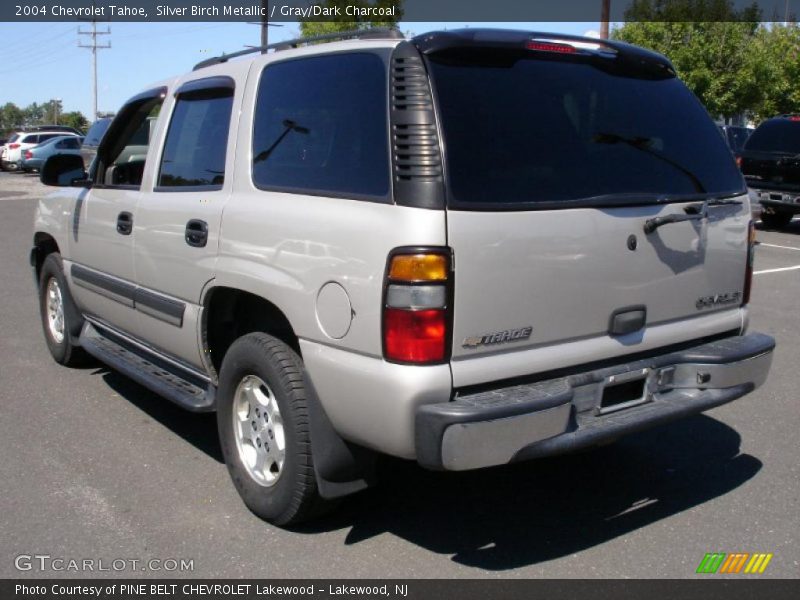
(61, 320)
(263, 423)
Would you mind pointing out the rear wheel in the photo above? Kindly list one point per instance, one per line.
(263, 422)
(775, 219)
(61, 320)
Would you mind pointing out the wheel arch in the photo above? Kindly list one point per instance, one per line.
(230, 312)
(44, 244)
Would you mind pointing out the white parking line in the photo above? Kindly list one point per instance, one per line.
(777, 246)
(794, 268)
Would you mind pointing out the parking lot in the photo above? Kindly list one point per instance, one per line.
(96, 467)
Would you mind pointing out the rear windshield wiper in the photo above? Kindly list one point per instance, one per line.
(645, 144)
(694, 212)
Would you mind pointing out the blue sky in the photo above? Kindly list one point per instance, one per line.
(42, 61)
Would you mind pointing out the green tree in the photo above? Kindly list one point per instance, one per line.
(33, 114)
(347, 23)
(775, 58)
(74, 119)
(11, 118)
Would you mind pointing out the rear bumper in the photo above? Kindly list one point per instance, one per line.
(783, 200)
(520, 422)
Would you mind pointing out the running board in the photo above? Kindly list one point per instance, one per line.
(157, 375)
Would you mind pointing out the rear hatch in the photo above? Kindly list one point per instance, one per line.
(771, 156)
(557, 154)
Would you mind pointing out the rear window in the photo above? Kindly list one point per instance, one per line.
(522, 130)
(776, 135)
(737, 136)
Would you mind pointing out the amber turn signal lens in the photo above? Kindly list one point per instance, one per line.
(418, 267)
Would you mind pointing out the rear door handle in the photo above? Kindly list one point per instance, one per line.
(196, 233)
(124, 223)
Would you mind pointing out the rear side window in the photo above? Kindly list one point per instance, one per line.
(776, 135)
(194, 153)
(30, 139)
(49, 136)
(69, 144)
(521, 130)
(321, 127)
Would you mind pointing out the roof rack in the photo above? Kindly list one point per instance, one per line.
(363, 34)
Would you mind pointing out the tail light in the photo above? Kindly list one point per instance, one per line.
(748, 273)
(417, 306)
(28, 154)
(13, 146)
(739, 161)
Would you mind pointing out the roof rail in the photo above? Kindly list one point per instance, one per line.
(373, 33)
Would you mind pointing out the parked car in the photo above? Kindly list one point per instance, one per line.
(12, 151)
(770, 163)
(62, 128)
(735, 136)
(469, 248)
(92, 140)
(33, 158)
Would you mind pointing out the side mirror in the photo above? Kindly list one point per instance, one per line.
(64, 170)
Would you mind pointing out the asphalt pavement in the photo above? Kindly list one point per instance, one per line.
(95, 467)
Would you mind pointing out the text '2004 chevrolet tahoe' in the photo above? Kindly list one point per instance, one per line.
(466, 249)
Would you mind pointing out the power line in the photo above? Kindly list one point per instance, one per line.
(94, 47)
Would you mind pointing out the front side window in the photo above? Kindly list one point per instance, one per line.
(122, 154)
(321, 127)
(197, 140)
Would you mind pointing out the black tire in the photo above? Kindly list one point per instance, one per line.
(65, 351)
(293, 497)
(775, 219)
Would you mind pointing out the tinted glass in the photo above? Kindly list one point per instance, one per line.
(13, 138)
(321, 126)
(49, 136)
(123, 150)
(524, 130)
(71, 143)
(30, 139)
(194, 153)
(776, 135)
(96, 132)
(737, 136)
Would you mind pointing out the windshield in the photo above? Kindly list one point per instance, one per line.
(776, 135)
(531, 131)
(96, 132)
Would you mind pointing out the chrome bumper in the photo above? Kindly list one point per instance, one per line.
(501, 425)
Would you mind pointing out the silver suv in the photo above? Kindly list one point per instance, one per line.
(465, 249)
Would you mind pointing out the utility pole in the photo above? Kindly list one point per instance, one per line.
(264, 24)
(605, 11)
(94, 47)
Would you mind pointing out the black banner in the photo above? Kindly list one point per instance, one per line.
(366, 10)
(472, 589)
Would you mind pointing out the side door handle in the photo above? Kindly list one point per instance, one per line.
(124, 223)
(196, 233)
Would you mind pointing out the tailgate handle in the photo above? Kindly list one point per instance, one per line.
(627, 320)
